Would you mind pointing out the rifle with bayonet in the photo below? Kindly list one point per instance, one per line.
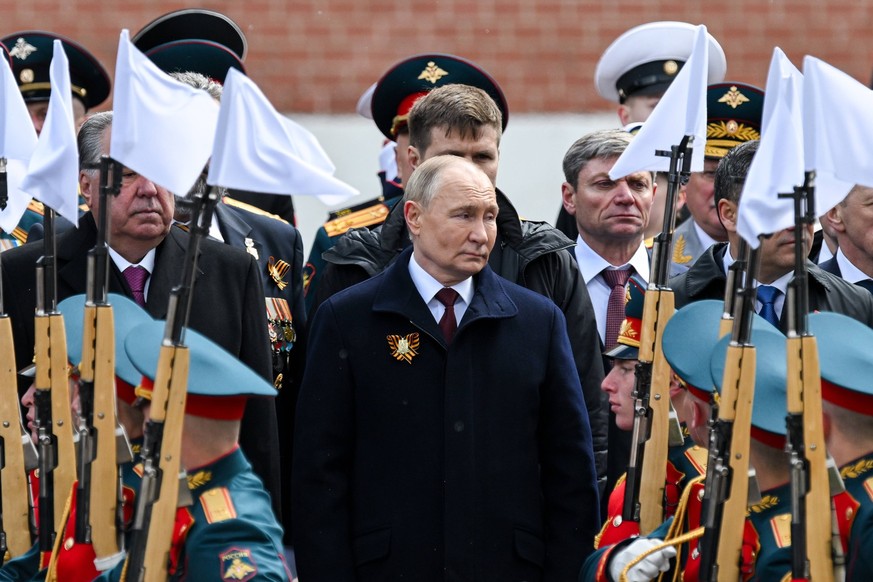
(816, 551)
(644, 489)
(57, 458)
(99, 509)
(161, 452)
(726, 493)
(17, 452)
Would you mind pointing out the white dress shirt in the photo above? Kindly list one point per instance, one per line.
(428, 287)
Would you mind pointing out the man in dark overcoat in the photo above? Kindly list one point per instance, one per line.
(442, 441)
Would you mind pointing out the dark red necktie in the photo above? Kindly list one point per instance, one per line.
(615, 306)
(136, 278)
(448, 324)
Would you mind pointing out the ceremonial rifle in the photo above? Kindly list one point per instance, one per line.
(644, 488)
(815, 553)
(726, 493)
(17, 452)
(57, 457)
(99, 502)
(161, 452)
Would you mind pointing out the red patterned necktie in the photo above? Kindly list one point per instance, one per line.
(448, 324)
(136, 277)
(615, 306)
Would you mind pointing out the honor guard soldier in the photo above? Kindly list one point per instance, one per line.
(635, 71)
(229, 531)
(198, 47)
(847, 406)
(733, 117)
(392, 98)
(686, 461)
(765, 553)
(71, 561)
(31, 55)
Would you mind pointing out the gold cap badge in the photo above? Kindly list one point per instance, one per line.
(733, 97)
(22, 49)
(432, 73)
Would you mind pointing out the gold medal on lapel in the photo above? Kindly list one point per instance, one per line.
(403, 347)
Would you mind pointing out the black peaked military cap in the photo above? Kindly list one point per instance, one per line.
(192, 23)
(32, 52)
(733, 116)
(198, 40)
(405, 82)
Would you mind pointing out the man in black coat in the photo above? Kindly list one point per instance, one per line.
(228, 298)
(850, 221)
(442, 439)
(706, 278)
(465, 121)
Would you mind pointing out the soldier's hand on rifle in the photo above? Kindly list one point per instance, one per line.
(649, 567)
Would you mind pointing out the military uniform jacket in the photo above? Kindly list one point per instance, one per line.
(227, 307)
(706, 280)
(858, 479)
(415, 460)
(687, 247)
(531, 254)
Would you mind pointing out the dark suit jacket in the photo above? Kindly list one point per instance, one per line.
(228, 308)
(471, 462)
(827, 292)
(270, 237)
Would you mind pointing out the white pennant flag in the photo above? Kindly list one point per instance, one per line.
(17, 142)
(258, 149)
(837, 125)
(53, 173)
(162, 129)
(680, 112)
(778, 164)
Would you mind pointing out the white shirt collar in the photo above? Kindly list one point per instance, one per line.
(428, 287)
(706, 241)
(147, 262)
(591, 264)
(848, 271)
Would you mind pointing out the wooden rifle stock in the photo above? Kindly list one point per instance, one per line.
(645, 477)
(19, 454)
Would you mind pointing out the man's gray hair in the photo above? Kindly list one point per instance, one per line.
(90, 140)
(200, 81)
(605, 143)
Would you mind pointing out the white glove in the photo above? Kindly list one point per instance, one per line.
(648, 568)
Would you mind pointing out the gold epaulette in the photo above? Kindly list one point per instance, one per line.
(36, 206)
(649, 242)
(217, 505)
(253, 209)
(374, 214)
(698, 457)
(19, 234)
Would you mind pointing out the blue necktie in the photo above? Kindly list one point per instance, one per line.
(767, 295)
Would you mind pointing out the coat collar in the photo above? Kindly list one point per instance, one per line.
(233, 228)
(396, 293)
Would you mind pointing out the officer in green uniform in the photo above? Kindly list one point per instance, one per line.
(31, 54)
(847, 405)
(229, 531)
(392, 98)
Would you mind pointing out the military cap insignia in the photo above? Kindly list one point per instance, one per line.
(627, 330)
(733, 98)
(278, 269)
(671, 67)
(22, 50)
(250, 248)
(237, 565)
(26, 76)
(432, 73)
(403, 348)
(679, 256)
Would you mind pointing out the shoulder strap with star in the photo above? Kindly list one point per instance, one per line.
(251, 208)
